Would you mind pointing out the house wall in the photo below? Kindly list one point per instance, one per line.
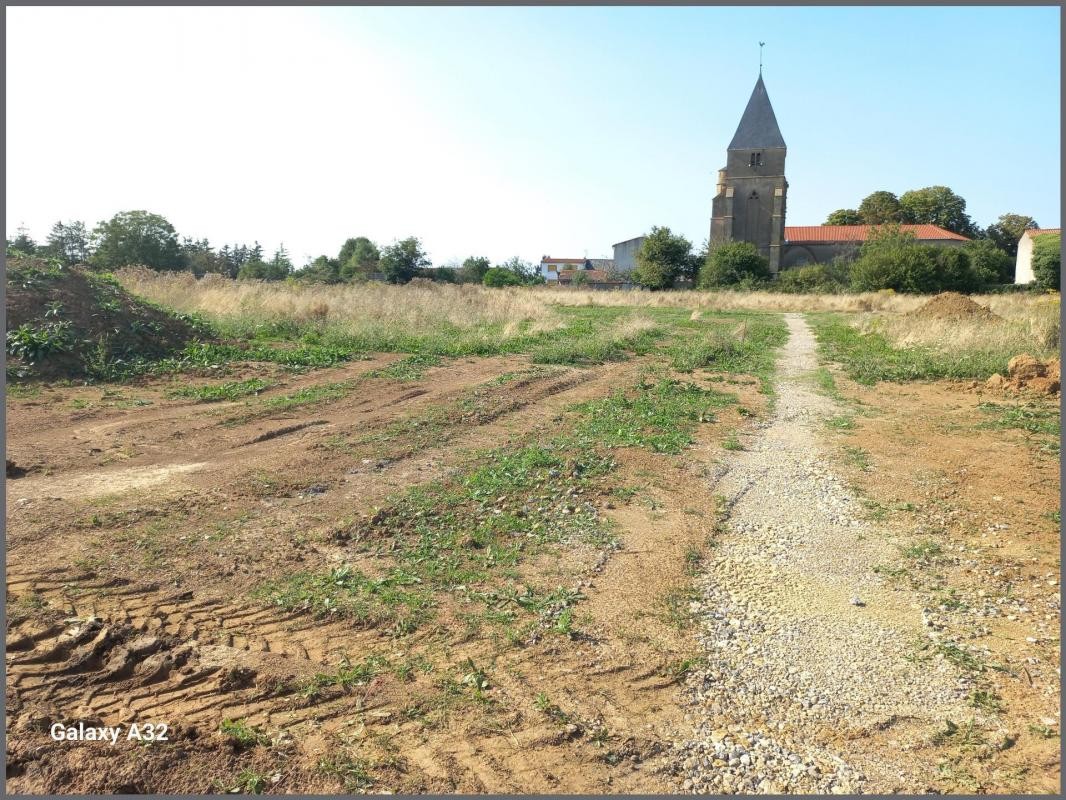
(625, 254)
(1023, 266)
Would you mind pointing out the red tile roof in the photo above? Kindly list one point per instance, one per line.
(859, 233)
(547, 260)
(1038, 231)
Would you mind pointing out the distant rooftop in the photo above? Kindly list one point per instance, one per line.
(859, 233)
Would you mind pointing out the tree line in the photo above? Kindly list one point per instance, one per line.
(144, 238)
(933, 205)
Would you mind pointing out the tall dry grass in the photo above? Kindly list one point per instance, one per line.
(364, 309)
(1027, 321)
(1024, 323)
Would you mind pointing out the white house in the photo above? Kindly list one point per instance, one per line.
(1023, 267)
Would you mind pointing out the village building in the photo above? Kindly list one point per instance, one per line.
(820, 244)
(1023, 266)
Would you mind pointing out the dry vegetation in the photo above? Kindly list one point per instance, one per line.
(357, 309)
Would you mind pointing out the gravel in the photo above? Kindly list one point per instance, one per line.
(801, 637)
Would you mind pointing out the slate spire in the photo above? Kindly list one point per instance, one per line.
(758, 127)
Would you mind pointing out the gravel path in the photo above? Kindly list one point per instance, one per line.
(804, 643)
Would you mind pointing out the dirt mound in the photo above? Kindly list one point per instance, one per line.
(68, 322)
(1025, 373)
(952, 305)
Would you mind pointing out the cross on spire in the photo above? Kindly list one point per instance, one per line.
(760, 56)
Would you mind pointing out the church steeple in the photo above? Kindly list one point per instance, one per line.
(758, 126)
(749, 205)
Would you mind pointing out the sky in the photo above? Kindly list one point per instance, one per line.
(513, 131)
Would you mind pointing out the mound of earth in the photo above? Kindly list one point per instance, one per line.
(68, 322)
(1025, 373)
(952, 305)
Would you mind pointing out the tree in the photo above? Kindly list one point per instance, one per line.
(991, 265)
(1047, 260)
(322, 270)
(499, 276)
(880, 207)
(136, 237)
(734, 263)
(201, 258)
(259, 270)
(22, 242)
(527, 272)
(281, 261)
(473, 269)
(401, 260)
(844, 216)
(69, 242)
(661, 259)
(937, 205)
(358, 257)
(1007, 231)
(892, 258)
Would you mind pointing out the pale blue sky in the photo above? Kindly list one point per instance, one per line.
(514, 131)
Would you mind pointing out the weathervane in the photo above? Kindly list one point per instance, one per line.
(760, 56)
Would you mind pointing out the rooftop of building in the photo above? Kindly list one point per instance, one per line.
(860, 233)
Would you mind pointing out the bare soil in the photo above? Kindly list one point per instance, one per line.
(139, 526)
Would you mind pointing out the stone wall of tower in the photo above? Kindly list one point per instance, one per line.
(750, 203)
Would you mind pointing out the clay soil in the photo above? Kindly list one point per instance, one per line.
(140, 527)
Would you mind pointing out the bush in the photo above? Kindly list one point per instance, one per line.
(736, 264)
(893, 259)
(498, 277)
(1047, 260)
(991, 265)
(814, 279)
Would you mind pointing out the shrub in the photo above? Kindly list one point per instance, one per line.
(734, 264)
(894, 259)
(498, 277)
(1047, 260)
(814, 279)
(991, 265)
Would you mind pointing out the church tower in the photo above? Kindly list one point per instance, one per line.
(750, 202)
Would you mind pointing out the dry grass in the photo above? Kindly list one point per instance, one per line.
(734, 301)
(419, 306)
(1028, 323)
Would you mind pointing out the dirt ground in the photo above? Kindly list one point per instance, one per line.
(139, 527)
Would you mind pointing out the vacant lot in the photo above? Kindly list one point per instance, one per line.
(436, 539)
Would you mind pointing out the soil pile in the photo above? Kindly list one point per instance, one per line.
(952, 305)
(1025, 373)
(68, 322)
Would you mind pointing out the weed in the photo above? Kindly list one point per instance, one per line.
(412, 368)
(242, 734)
(732, 443)
(986, 700)
(354, 772)
(840, 423)
(858, 457)
(224, 391)
(927, 551)
(659, 416)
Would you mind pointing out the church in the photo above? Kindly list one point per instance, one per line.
(752, 193)
(751, 200)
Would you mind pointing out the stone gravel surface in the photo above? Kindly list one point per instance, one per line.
(803, 641)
